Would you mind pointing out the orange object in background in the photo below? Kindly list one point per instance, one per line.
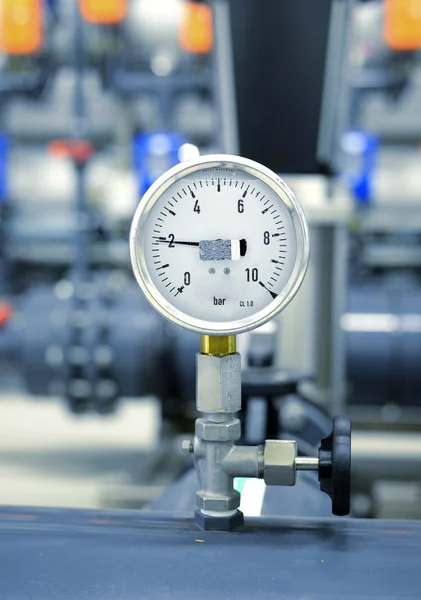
(21, 26)
(6, 312)
(105, 12)
(402, 24)
(196, 34)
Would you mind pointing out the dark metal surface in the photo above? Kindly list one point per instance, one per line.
(63, 555)
(279, 61)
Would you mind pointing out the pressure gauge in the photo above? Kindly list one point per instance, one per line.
(219, 245)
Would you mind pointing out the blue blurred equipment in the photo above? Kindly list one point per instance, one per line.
(360, 149)
(153, 154)
(3, 168)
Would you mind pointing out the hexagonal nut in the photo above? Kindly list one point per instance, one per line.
(206, 501)
(208, 523)
(218, 383)
(279, 462)
(218, 432)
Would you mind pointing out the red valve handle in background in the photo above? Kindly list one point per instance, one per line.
(79, 150)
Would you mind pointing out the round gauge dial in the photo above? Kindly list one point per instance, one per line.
(219, 245)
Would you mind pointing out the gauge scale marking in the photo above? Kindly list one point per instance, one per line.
(219, 244)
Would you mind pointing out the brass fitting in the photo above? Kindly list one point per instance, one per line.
(218, 345)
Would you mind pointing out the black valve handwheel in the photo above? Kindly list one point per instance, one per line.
(335, 465)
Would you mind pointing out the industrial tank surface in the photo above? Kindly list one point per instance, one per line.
(74, 554)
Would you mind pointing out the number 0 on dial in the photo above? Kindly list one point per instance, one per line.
(219, 245)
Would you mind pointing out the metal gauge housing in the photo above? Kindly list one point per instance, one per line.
(219, 245)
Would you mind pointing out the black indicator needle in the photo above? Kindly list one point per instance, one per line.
(243, 243)
(163, 267)
(182, 243)
(162, 239)
(270, 291)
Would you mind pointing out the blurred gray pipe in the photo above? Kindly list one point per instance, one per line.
(386, 455)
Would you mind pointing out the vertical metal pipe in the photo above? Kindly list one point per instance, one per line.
(335, 104)
(339, 293)
(224, 81)
(330, 250)
(81, 239)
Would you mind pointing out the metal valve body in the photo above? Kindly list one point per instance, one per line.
(219, 460)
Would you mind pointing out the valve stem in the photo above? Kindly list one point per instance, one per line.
(304, 463)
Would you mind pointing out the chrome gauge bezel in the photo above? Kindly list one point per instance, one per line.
(141, 271)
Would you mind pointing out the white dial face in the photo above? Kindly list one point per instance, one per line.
(217, 246)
